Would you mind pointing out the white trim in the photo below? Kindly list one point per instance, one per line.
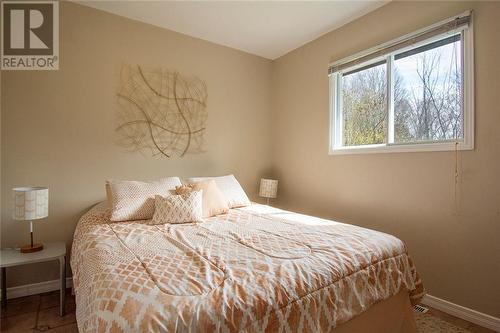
(462, 312)
(37, 288)
(390, 98)
(332, 86)
(399, 148)
(468, 85)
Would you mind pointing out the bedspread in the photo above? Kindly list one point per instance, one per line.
(255, 269)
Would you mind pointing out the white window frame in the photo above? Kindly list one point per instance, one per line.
(335, 81)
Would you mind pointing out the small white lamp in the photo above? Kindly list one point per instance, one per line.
(268, 188)
(30, 203)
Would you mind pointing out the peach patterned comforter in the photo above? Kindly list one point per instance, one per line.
(255, 269)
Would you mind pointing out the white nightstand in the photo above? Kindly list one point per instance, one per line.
(51, 251)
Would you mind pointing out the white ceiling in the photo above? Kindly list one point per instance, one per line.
(266, 28)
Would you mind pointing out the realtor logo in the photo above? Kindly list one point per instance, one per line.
(30, 35)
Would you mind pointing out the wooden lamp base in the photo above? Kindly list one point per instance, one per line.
(31, 248)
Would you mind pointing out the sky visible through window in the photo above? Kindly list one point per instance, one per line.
(428, 95)
(450, 57)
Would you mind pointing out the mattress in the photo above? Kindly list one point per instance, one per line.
(255, 269)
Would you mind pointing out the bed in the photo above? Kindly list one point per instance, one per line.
(254, 269)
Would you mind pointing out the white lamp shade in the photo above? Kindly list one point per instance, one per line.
(268, 188)
(30, 203)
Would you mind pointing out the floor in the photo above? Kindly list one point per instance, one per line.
(40, 313)
(468, 326)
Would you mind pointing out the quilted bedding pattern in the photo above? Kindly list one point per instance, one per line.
(255, 269)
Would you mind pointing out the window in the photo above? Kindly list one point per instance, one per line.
(412, 94)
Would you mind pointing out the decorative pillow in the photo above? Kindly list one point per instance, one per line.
(181, 208)
(134, 200)
(230, 187)
(214, 202)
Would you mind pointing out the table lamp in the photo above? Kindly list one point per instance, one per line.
(30, 203)
(268, 188)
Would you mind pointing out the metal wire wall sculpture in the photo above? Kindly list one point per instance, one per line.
(161, 111)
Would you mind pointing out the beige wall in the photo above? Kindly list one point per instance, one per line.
(58, 126)
(410, 195)
(57, 130)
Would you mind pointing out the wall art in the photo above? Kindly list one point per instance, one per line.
(161, 111)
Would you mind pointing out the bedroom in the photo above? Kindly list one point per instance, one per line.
(268, 78)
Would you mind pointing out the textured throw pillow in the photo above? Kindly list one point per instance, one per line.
(183, 189)
(230, 187)
(134, 200)
(183, 208)
(214, 202)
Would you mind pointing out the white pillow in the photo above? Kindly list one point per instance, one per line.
(135, 200)
(230, 187)
(182, 208)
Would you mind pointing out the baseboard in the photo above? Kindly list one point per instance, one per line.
(37, 288)
(462, 312)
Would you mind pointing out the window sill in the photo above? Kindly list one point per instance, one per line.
(400, 148)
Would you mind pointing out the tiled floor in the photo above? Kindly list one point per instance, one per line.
(40, 313)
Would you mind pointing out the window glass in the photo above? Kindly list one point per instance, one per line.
(364, 98)
(427, 92)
